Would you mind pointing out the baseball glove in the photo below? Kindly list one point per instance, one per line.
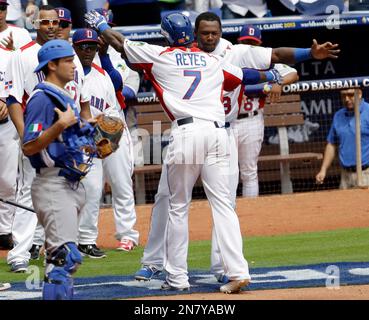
(108, 132)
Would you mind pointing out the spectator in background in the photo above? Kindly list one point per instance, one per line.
(171, 5)
(355, 5)
(135, 12)
(313, 7)
(15, 13)
(341, 136)
(93, 4)
(234, 9)
(206, 5)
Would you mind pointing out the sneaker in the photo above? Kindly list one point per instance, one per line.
(91, 250)
(35, 252)
(222, 278)
(4, 286)
(234, 286)
(18, 267)
(146, 273)
(6, 241)
(126, 245)
(167, 287)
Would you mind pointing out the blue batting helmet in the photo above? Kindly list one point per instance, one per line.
(51, 50)
(177, 29)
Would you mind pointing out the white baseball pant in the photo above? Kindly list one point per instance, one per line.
(249, 133)
(154, 250)
(24, 222)
(117, 170)
(200, 149)
(9, 147)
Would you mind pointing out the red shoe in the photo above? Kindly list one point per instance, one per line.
(126, 245)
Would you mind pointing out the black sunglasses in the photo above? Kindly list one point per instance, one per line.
(85, 46)
(64, 24)
(3, 7)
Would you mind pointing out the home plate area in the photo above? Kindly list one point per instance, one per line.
(121, 287)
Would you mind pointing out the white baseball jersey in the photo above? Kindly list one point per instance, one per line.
(243, 56)
(20, 35)
(5, 55)
(102, 96)
(198, 76)
(22, 79)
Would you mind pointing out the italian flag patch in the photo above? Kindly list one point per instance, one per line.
(35, 127)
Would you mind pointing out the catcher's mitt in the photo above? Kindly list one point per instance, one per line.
(108, 132)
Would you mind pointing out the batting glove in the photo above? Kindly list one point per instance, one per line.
(274, 76)
(96, 21)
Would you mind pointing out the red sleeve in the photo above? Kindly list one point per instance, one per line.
(231, 82)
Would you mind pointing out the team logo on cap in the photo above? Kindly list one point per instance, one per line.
(89, 34)
(61, 13)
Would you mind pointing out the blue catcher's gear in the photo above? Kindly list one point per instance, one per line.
(177, 29)
(53, 49)
(58, 283)
(76, 141)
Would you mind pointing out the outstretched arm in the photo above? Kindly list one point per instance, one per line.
(295, 55)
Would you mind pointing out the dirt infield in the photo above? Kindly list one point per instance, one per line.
(270, 215)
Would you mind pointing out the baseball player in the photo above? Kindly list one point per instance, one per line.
(197, 114)
(249, 125)
(11, 38)
(208, 32)
(81, 97)
(117, 168)
(53, 141)
(20, 74)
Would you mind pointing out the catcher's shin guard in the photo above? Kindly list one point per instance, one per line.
(58, 283)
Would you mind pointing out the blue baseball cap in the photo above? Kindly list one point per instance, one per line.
(51, 50)
(107, 14)
(85, 35)
(64, 14)
(250, 32)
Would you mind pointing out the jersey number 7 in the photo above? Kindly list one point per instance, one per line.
(195, 83)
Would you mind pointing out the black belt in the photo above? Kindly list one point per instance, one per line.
(181, 122)
(247, 115)
(353, 168)
(4, 120)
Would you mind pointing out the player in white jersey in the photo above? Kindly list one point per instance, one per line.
(117, 168)
(198, 143)
(208, 31)
(79, 95)
(249, 125)
(11, 36)
(23, 81)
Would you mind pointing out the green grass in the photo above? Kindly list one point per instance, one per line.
(298, 249)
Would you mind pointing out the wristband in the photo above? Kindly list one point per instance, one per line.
(301, 54)
(102, 27)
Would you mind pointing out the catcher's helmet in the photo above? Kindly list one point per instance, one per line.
(177, 29)
(52, 50)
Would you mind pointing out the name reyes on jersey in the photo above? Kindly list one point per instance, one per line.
(190, 59)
